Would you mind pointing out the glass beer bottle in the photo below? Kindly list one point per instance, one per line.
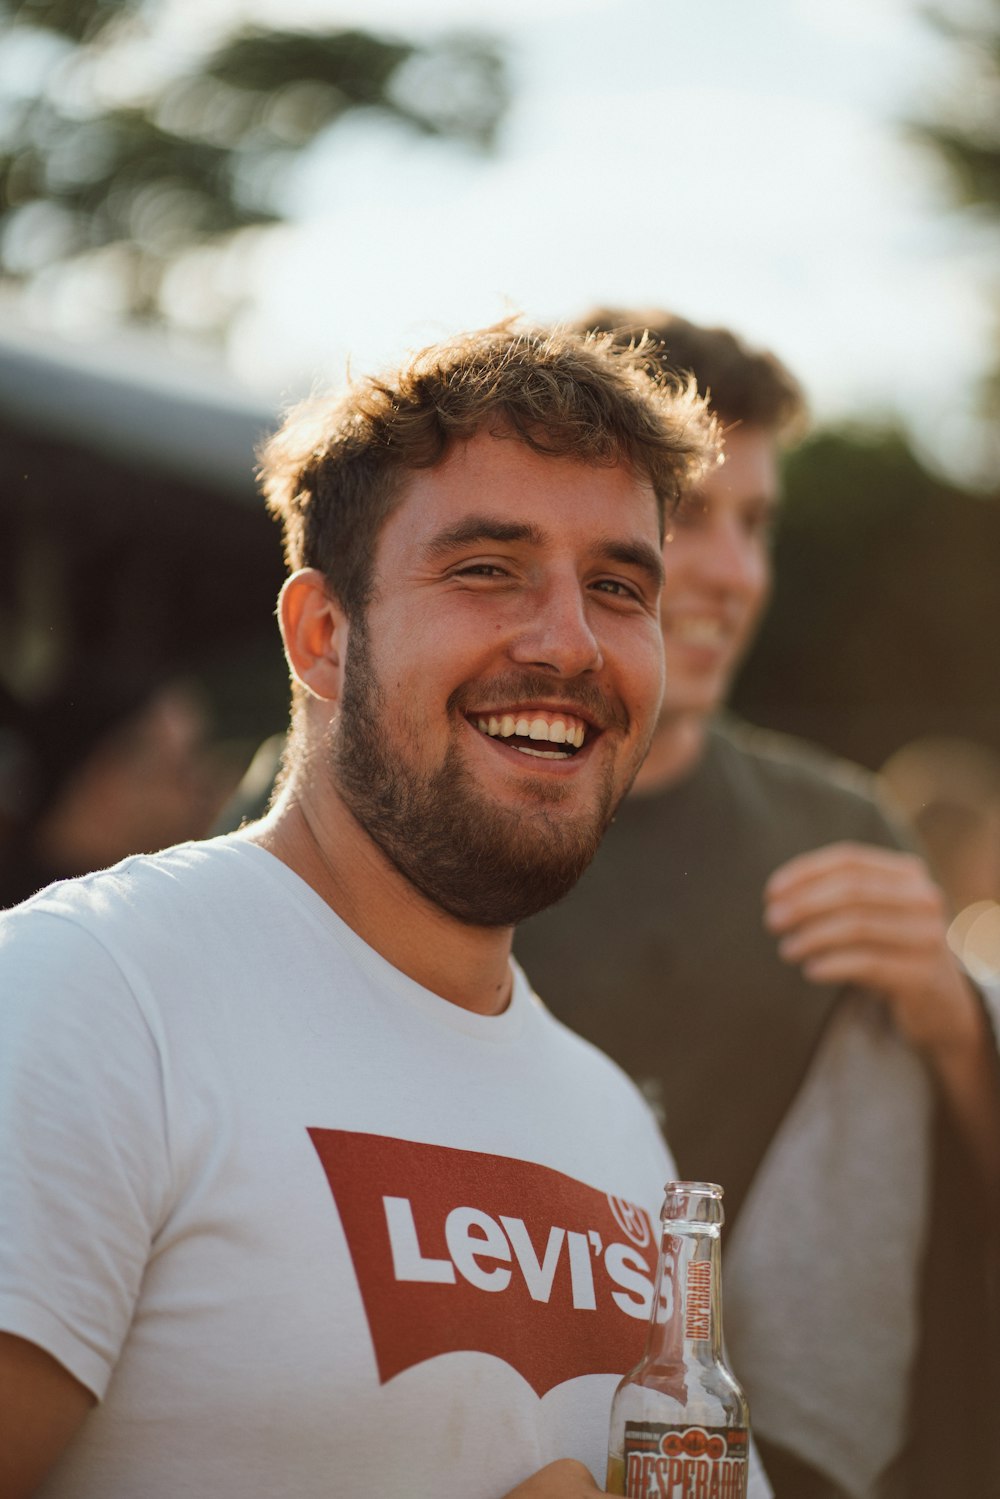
(679, 1421)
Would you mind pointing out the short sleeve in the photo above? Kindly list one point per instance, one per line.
(84, 1164)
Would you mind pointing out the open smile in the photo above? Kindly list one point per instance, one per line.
(542, 734)
(703, 631)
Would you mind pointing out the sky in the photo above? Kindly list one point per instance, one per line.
(740, 163)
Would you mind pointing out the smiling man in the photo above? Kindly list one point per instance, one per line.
(534, 629)
(303, 1193)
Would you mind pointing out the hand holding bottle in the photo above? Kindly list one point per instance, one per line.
(565, 1479)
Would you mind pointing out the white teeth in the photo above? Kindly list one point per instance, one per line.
(539, 729)
(542, 754)
(699, 631)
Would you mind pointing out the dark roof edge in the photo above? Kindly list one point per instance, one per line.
(131, 398)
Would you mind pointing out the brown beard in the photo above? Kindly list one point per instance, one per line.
(483, 863)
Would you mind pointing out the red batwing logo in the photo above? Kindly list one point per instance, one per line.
(457, 1250)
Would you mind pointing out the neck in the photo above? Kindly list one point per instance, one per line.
(325, 846)
(677, 746)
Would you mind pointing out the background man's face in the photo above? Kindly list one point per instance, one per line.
(718, 573)
(502, 690)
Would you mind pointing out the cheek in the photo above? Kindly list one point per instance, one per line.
(646, 670)
(750, 577)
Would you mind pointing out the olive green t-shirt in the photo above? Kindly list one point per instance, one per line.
(660, 955)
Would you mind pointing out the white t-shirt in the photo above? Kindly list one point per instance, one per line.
(305, 1228)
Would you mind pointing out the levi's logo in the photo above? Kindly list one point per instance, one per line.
(457, 1250)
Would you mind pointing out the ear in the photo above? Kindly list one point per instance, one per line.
(314, 631)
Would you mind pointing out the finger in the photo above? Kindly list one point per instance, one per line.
(875, 969)
(908, 936)
(908, 892)
(933, 1008)
(846, 860)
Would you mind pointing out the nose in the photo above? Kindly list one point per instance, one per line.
(556, 634)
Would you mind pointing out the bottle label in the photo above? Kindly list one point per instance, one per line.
(685, 1462)
(698, 1306)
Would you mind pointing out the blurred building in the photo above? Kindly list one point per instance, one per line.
(138, 573)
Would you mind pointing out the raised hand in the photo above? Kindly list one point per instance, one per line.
(852, 913)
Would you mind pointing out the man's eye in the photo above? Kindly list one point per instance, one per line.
(617, 588)
(480, 570)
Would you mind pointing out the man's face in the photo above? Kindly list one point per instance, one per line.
(718, 573)
(501, 692)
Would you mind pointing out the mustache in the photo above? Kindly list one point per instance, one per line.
(583, 699)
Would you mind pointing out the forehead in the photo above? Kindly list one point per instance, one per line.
(569, 503)
(750, 469)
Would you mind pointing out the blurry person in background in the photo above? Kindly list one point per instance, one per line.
(303, 1191)
(949, 788)
(90, 776)
(757, 945)
(949, 791)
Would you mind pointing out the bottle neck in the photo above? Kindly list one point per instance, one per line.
(688, 1322)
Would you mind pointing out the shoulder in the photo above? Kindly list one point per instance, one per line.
(784, 759)
(112, 937)
(781, 774)
(142, 889)
(74, 1008)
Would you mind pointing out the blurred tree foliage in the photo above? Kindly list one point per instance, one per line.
(884, 623)
(963, 128)
(966, 132)
(120, 145)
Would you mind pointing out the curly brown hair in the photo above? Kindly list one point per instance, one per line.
(741, 383)
(334, 472)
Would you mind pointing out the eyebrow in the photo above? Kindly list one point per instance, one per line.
(638, 554)
(481, 528)
(478, 528)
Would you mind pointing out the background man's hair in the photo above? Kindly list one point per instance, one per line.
(333, 472)
(742, 384)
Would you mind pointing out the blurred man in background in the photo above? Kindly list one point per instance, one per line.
(759, 948)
